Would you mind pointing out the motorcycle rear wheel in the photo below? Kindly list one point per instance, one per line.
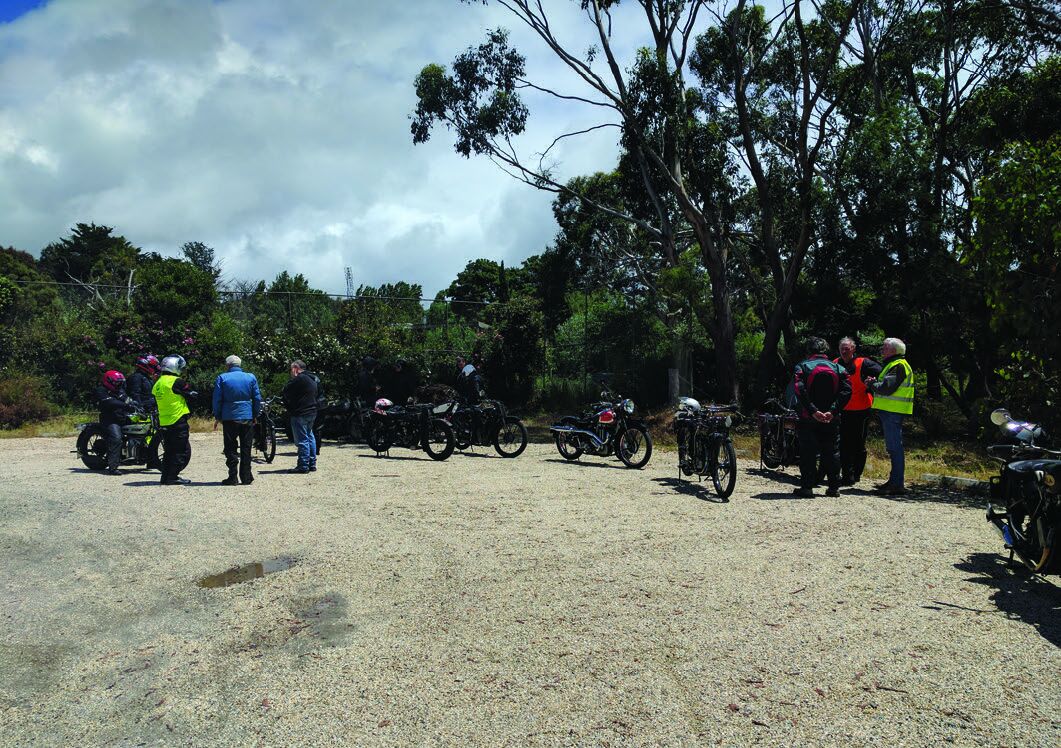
(156, 452)
(634, 447)
(92, 447)
(770, 450)
(511, 438)
(265, 439)
(439, 434)
(378, 438)
(567, 450)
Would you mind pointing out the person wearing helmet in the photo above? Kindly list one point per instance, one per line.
(114, 409)
(141, 381)
(171, 394)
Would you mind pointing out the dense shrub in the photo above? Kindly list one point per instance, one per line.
(23, 399)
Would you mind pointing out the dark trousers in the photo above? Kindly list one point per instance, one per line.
(239, 439)
(112, 435)
(178, 449)
(818, 439)
(854, 425)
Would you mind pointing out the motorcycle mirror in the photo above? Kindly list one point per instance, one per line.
(1000, 417)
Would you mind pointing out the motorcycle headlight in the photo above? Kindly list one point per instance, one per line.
(628, 406)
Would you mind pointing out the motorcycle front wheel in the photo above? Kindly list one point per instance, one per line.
(92, 447)
(566, 449)
(511, 438)
(156, 451)
(634, 448)
(723, 465)
(440, 441)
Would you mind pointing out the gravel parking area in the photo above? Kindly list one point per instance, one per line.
(484, 601)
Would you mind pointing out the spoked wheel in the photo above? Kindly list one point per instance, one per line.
(770, 449)
(265, 439)
(634, 447)
(440, 441)
(723, 466)
(511, 438)
(567, 449)
(92, 447)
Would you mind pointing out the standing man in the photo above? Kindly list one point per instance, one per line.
(237, 403)
(822, 390)
(300, 399)
(171, 394)
(854, 420)
(893, 399)
(469, 383)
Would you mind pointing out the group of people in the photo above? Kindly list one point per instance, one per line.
(835, 398)
(158, 387)
(154, 387)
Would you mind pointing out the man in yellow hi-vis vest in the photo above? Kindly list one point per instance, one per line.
(172, 393)
(893, 399)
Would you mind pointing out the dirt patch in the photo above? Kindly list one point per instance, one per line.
(485, 601)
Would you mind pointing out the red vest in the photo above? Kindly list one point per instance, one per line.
(861, 399)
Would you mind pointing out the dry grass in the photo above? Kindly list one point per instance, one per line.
(65, 425)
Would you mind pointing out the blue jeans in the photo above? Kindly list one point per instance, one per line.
(302, 433)
(892, 423)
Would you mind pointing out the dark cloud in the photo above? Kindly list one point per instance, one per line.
(276, 132)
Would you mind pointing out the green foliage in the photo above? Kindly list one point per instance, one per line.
(90, 255)
(513, 350)
(172, 291)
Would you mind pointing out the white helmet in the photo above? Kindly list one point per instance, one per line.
(688, 403)
(174, 364)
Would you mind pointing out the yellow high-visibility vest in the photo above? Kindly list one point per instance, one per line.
(171, 406)
(902, 400)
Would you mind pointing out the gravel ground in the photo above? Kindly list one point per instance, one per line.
(484, 601)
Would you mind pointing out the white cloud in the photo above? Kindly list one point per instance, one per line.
(276, 132)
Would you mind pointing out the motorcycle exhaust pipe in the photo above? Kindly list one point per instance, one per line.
(572, 430)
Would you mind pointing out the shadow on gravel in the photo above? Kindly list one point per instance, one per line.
(918, 493)
(775, 475)
(388, 456)
(142, 483)
(579, 463)
(696, 490)
(1018, 593)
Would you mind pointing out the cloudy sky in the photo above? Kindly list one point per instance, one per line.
(276, 131)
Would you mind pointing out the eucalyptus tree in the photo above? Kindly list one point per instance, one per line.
(646, 99)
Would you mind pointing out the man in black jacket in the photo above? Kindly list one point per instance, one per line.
(114, 409)
(822, 390)
(300, 399)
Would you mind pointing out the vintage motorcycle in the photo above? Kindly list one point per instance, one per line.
(409, 426)
(141, 443)
(704, 443)
(778, 445)
(486, 424)
(1026, 495)
(607, 428)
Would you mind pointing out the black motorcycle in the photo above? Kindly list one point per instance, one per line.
(607, 428)
(412, 427)
(704, 443)
(141, 444)
(778, 445)
(487, 424)
(1026, 495)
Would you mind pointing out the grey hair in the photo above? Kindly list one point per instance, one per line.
(847, 339)
(896, 345)
(298, 364)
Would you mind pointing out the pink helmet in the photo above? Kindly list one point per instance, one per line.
(381, 405)
(113, 380)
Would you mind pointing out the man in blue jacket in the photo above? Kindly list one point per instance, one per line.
(237, 403)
